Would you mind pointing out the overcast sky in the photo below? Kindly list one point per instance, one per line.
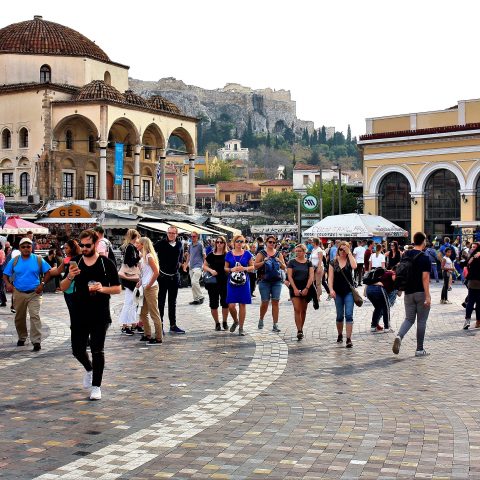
(343, 61)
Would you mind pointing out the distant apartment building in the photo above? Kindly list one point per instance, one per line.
(305, 176)
(275, 186)
(330, 132)
(233, 151)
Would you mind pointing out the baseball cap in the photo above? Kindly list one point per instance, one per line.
(25, 240)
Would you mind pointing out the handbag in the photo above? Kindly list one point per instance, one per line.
(357, 298)
(209, 279)
(238, 279)
(129, 273)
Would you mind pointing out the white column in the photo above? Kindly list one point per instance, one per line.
(191, 182)
(102, 181)
(163, 161)
(136, 174)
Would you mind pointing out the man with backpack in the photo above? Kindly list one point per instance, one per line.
(269, 264)
(27, 270)
(413, 277)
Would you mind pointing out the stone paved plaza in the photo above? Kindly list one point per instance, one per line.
(215, 405)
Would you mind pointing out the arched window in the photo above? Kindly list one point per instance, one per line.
(6, 139)
(442, 202)
(45, 74)
(24, 184)
(478, 199)
(69, 140)
(394, 201)
(91, 144)
(23, 138)
(107, 78)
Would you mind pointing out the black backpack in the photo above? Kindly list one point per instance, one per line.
(373, 276)
(404, 272)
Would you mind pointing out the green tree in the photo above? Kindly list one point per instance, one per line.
(350, 198)
(314, 158)
(323, 135)
(9, 190)
(280, 204)
(305, 137)
(349, 134)
(269, 140)
(222, 171)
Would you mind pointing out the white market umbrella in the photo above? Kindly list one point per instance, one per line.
(355, 225)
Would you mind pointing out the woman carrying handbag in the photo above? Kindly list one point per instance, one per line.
(340, 271)
(129, 274)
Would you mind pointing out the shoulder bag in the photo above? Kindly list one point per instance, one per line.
(357, 298)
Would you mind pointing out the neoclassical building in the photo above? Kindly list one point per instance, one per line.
(71, 129)
(422, 170)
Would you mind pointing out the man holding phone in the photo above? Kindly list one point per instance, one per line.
(96, 278)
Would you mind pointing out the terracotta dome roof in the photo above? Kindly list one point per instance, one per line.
(159, 103)
(99, 90)
(38, 36)
(135, 99)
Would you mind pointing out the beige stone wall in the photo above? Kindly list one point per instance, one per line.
(76, 71)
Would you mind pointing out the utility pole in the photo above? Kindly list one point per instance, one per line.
(320, 193)
(339, 190)
(333, 195)
(299, 221)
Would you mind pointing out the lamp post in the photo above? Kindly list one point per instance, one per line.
(339, 190)
(320, 193)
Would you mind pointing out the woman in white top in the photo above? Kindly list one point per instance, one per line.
(316, 257)
(377, 259)
(149, 271)
(447, 269)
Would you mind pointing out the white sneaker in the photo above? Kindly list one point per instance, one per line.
(96, 393)
(87, 379)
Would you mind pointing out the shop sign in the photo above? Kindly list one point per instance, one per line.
(70, 211)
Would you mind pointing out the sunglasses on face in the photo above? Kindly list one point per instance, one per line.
(341, 250)
(239, 241)
(219, 241)
(25, 246)
(270, 241)
(85, 245)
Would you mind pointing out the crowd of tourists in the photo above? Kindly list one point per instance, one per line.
(230, 270)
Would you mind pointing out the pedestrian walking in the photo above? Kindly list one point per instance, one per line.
(378, 290)
(131, 258)
(3, 264)
(413, 275)
(238, 262)
(377, 259)
(30, 273)
(316, 257)
(359, 254)
(473, 284)
(269, 263)
(432, 256)
(195, 259)
(149, 271)
(368, 254)
(300, 277)
(216, 285)
(96, 278)
(447, 269)
(340, 280)
(170, 257)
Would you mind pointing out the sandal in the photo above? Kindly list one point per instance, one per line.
(349, 343)
(299, 335)
(340, 338)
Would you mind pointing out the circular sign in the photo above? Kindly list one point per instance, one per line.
(309, 202)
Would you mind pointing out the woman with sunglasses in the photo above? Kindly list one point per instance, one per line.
(217, 292)
(269, 263)
(340, 281)
(300, 276)
(392, 257)
(238, 262)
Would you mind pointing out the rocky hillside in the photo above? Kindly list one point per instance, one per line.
(268, 110)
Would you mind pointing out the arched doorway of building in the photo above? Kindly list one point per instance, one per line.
(477, 197)
(442, 203)
(109, 186)
(394, 200)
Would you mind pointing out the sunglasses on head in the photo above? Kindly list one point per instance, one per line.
(85, 245)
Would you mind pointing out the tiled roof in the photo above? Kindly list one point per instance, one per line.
(99, 90)
(277, 183)
(304, 166)
(19, 87)
(238, 187)
(38, 36)
(159, 103)
(135, 99)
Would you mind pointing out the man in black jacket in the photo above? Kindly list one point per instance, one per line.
(170, 257)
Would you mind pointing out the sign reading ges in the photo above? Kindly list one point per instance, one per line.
(72, 211)
(309, 202)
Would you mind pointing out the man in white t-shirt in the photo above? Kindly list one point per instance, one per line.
(359, 254)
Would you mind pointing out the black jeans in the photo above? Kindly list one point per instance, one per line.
(446, 283)
(84, 328)
(378, 296)
(359, 273)
(168, 284)
(473, 301)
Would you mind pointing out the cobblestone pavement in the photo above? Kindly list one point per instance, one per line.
(216, 405)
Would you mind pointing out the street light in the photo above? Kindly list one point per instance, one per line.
(320, 192)
(335, 168)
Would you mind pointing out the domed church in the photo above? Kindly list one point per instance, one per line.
(70, 127)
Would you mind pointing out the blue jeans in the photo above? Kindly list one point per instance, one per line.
(379, 298)
(434, 270)
(270, 290)
(344, 305)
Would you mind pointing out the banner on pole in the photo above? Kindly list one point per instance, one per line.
(118, 163)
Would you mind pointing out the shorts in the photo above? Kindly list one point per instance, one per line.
(270, 290)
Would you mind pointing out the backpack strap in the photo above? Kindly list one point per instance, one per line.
(39, 262)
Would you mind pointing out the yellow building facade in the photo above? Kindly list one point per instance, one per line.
(422, 170)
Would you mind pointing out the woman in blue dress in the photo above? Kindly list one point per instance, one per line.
(238, 262)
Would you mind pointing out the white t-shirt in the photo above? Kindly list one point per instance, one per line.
(359, 253)
(315, 256)
(377, 260)
(146, 272)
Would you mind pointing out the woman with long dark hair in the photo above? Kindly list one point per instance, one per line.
(473, 284)
(393, 256)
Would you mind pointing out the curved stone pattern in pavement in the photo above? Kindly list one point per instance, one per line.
(172, 411)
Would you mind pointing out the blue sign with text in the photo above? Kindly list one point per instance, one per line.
(118, 163)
